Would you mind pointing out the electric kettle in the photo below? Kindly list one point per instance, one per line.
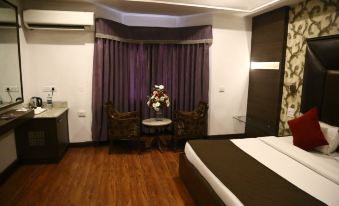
(35, 102)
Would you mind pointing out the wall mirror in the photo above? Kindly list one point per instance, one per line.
(11, 92)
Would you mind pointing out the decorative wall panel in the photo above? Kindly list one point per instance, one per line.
(265, 85)
(308, 19)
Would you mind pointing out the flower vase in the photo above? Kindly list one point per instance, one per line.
(158, 116)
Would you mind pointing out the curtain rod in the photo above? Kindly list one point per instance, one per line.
(156, 41)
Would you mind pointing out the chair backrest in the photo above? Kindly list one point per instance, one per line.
(112, 113)
(121, 124)
(108, 107)
(202, 109)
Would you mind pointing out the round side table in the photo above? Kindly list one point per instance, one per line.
(157, 124)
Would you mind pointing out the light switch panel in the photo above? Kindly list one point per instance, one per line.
(48, 88)
(11, 88)
(81, 114)
(221, 89)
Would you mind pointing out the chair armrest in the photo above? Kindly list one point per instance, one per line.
(186, 115)
(187, 125)
(125, 119)
(124, 115)
(182, 113)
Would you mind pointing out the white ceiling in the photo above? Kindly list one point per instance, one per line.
(239, 5)
(189, 7)
(151, 8)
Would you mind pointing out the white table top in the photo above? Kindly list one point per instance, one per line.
(51, 113)
(153, 122)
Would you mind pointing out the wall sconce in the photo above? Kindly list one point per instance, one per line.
(265, 65)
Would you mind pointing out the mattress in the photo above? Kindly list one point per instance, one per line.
(316, 180)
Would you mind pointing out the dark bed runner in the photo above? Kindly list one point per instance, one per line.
(249, 180)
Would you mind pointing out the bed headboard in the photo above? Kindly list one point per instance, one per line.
(321, 78)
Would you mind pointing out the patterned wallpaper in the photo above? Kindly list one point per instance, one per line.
(310, 18)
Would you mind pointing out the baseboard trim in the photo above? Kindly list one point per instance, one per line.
(227, 136)
(9, 171)
(87, 144)
(95, 143)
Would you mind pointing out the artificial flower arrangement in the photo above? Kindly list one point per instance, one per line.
(158, 98)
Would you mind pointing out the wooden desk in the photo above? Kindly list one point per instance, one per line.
(44, 138)
(11, 119)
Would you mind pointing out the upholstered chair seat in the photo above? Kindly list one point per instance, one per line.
(190, 125)
(122, 125)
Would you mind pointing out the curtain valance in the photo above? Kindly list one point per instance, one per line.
(107, 29)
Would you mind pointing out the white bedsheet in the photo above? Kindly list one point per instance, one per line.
(303, 177)
(325, 166)
(222, 191)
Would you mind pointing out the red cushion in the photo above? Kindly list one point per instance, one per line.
(306, 131)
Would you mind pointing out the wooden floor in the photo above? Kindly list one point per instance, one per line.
(89, 176)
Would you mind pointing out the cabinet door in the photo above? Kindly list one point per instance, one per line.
(62, 132)
(35, 139)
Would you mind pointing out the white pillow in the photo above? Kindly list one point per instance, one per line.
(331, 135)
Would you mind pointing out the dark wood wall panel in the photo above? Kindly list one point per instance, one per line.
(265, 52)
(263, 96)
(269, 35)
(269, 32)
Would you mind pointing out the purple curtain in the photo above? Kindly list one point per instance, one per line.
(124, 73)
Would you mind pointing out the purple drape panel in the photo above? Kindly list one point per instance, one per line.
(183, 70)
(124, 73)
(120, 75)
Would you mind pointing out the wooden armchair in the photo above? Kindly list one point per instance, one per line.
(189, 125)
(122, 126)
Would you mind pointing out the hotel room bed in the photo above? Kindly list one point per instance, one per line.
(271, 170)
(231, 182)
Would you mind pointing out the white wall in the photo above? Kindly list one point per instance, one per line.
(65, 60)
(7, 150)
(229, 69)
